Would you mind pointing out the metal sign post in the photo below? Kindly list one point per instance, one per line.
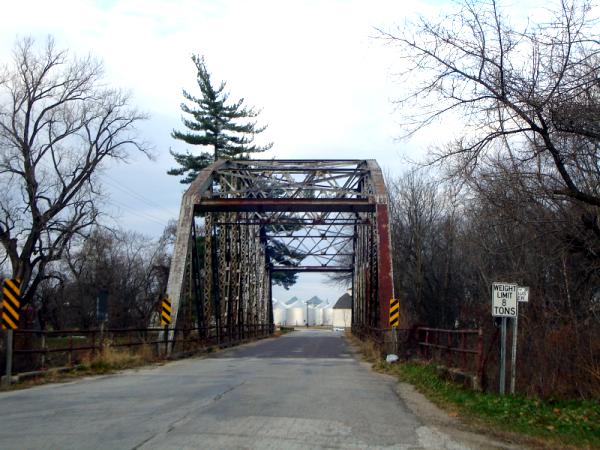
(503, 356)
(504, 305)
(522, 297)
(513, 360)
(166, 332)
(9, 356)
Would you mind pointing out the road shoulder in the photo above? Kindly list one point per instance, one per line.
(449, 424)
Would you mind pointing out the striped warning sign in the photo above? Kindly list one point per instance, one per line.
(394, 312)
(165, 311)
(11, 304)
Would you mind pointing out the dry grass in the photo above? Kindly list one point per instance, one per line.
(111, 359)
(114, 358)
(369, 351)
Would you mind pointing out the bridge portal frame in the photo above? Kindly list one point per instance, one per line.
(225, 194)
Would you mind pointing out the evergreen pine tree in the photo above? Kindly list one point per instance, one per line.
(215, 122)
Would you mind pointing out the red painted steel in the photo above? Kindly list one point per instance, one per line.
(385, 278)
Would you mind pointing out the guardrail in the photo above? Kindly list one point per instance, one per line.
(461, 349)
(453, 347)
(40, 350)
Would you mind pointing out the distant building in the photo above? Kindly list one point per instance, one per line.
(327, 314)
(295, 312)
(279, 312)
(314, 311)
(342, 312)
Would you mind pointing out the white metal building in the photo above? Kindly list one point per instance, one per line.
(342, 312)
(327, 314)
(295, 314)
(279, 312)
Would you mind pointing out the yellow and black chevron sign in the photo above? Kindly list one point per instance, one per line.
(165, 311)
(11, 304)
(394, 312)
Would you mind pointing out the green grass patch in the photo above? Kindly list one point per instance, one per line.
(574, 422)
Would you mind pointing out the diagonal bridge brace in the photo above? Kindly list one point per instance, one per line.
(332, 214)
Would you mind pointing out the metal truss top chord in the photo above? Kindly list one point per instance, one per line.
(284, 205)
(310, 269)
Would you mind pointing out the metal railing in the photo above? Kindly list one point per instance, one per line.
(461, 349)
(39, 350)
(455, 348)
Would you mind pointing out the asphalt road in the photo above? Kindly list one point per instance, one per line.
(302, 390)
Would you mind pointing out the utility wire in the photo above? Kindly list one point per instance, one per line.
(127, 190)
(138, 213)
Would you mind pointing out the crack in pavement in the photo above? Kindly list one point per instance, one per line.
(227, 391)
(144, 441)
(171, 426)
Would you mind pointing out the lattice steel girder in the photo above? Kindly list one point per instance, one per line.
(284, 205)
(323, 269)
(333, 209)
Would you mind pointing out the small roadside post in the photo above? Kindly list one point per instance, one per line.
(522, 297)
(102, 314)
(504, 305)
(394, 322)
(165, 320)
(11, 309)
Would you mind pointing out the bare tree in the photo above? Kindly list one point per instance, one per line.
(58, 124)
(346, 259)
(130, 268)
(424, 232)
(532, 95)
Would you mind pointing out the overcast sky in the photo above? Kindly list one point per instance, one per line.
(324, 83)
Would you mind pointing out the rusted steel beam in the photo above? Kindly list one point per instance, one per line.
(310, 269)
(284, 205)
(309, 206)
(298, 222)
(385, 277)
(204, 180)
(311, 236)
(295, 169)
(302, 162)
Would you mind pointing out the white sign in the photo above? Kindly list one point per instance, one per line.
(504, 300)
(523, 294)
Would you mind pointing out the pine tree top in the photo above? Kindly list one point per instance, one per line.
(212, 120)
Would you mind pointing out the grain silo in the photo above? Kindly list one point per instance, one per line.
(311, 311)
(327, 314)
(319, 314)
(295, 314)
(279, 313)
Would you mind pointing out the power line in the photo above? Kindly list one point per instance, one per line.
(127, 190)
(139, 213)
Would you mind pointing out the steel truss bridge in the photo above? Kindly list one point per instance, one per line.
(242, 222)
